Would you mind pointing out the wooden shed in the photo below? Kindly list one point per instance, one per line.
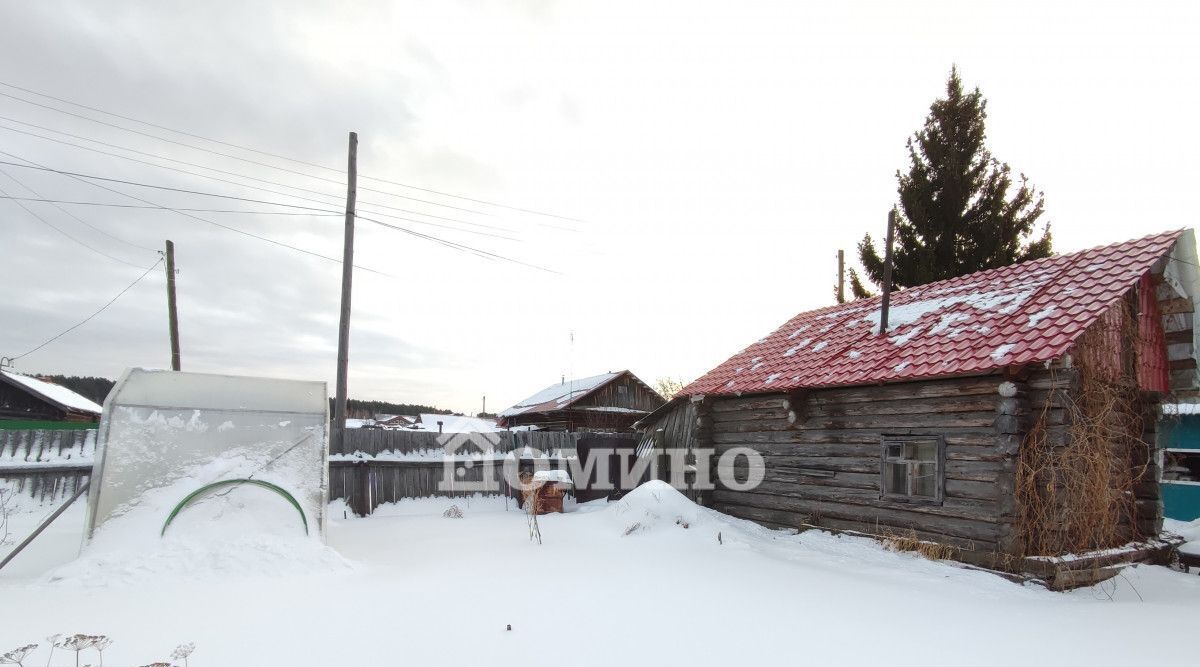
(29, 399)
(610, 402)
(1008, 414)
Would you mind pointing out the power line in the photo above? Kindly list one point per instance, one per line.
(83, 178)
(81, 221)
(459, 246)
(244, 185)
(204, 220)
(64, 233)
(78, 175)
(93, 177)
(163, 208)
(89, 317)
(77, 218)
(269, 154)
(234, 157)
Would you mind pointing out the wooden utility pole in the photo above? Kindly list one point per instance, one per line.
(172, 314)
(887, 272)
(343, 360)
(841, 291)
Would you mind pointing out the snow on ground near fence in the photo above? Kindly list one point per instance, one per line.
(1188, 530)
(640, 581)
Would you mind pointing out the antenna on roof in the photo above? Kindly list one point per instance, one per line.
(887, 272)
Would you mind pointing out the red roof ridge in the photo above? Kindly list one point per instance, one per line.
(1013, 314)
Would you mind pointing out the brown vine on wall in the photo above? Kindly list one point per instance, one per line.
(1085, 453)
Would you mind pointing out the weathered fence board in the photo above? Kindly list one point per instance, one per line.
(370, 441)
(46, 464)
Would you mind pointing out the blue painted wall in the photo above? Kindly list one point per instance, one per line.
(1181, 501)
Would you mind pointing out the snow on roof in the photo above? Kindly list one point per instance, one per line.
(556, 476)
(559, 395)
(1018, 314)
(56, 394)
(457, 424)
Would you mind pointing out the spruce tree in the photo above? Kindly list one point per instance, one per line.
(956, 213)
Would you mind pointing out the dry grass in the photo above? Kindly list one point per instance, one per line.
(910, 542)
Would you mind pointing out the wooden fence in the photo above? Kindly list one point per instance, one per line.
(46, 464)
(375, 467)
(374, 441)
(51, 464)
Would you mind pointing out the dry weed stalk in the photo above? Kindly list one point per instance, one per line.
(1085, 453)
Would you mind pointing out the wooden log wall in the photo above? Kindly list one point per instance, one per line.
(821, 454)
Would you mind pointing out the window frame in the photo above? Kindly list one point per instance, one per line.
(939, 469)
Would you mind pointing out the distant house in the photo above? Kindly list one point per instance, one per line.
(968, 420)
(608, 402)
(395, 421)
(23, 397)
(455, 424)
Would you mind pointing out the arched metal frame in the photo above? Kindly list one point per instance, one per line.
(232, 482)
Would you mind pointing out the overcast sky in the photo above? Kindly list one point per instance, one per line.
(715, 155)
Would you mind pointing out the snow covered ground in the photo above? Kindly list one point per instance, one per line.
(641, 581)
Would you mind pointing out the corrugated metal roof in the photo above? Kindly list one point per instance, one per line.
(1018, 314)
(560, 395)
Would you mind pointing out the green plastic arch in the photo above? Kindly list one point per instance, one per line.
(230, 482)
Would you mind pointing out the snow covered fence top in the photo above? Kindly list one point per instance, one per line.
(167, 434)
(1023, 313)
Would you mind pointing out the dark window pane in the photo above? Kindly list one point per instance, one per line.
(895, 478)
(894, 451)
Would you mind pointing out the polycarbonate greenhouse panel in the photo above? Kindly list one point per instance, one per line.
(165, 435)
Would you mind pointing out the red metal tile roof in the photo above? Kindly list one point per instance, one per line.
(1018, 314)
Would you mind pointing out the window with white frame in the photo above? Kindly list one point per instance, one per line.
(911, 468)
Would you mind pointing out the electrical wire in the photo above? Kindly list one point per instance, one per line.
(93, 177)
(64, 233)
(83, 177)
(78, 175)
(163, 208)
(93, 315)
(277, 156)
(459, 246)
(235, 157)
(71, 215)
(285, 194)
(222, 171)
(206, 221)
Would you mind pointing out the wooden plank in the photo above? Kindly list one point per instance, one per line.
(1176, 306)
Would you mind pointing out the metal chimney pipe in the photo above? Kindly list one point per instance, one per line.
(887, 272)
